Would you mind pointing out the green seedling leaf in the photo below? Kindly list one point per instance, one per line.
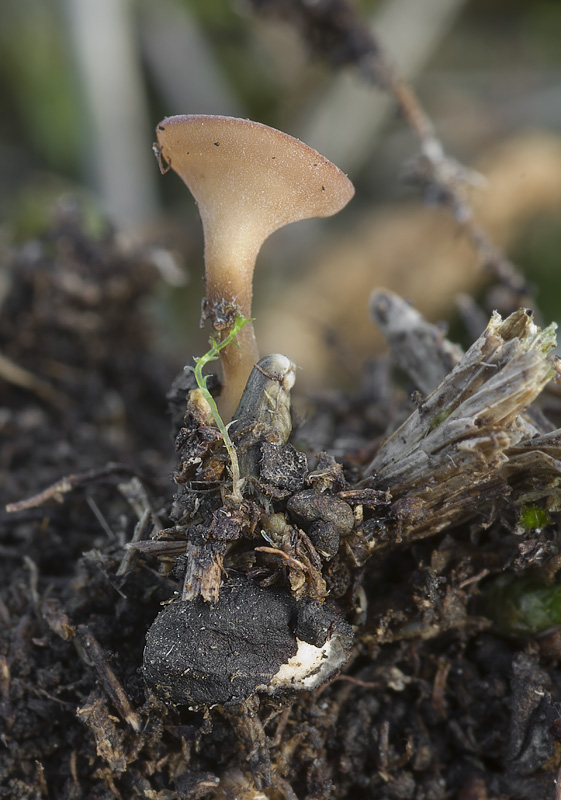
(202, 381)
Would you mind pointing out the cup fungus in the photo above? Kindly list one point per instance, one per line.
(248, 180)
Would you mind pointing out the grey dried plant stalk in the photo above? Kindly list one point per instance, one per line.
(418, 347)
(466, 444)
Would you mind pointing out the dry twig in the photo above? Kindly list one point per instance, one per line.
(335, 31)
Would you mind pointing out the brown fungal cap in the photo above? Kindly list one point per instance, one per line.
(236, 163)
(248, 181)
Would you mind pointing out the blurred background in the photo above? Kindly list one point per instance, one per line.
(84, 83)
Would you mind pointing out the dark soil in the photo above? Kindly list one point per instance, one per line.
(433, 703)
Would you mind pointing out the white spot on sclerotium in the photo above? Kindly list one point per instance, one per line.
(309, 667)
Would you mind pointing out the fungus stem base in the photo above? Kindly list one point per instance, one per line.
(237, 360)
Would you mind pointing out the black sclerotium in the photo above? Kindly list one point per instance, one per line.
(252, 640)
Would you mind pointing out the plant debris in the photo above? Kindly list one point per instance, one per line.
(326, 636)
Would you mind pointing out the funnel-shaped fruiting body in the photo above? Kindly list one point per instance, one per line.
(248, 181)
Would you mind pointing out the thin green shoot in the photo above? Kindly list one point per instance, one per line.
(202, 380)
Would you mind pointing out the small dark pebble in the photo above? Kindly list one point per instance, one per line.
(283, 466)
(325, 538)
(309, 506)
